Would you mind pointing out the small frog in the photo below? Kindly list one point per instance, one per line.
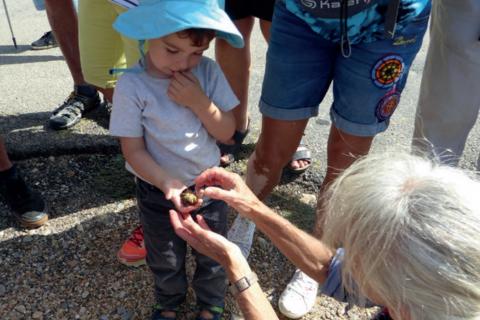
(188, 198)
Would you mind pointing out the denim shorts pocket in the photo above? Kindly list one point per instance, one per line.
(150, 197)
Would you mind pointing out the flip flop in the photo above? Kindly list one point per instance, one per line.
(231, 150)
(302, 153)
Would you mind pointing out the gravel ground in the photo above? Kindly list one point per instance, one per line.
(67, 269)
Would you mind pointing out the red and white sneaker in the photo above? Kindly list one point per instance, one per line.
(133, 252)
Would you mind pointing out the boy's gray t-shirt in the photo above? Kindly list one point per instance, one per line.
(174, 136)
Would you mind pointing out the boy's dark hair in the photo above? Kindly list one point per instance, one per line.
(198, 36)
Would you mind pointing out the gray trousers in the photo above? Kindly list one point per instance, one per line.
(166, 252)
(450, 91)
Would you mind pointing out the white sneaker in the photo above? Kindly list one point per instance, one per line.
(299, 296)
(241, 233)
(236, 317)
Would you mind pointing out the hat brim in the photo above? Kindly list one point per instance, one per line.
(151, 21)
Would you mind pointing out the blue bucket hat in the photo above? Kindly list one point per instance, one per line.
(153, 19)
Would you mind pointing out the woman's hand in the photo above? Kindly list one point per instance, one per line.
(173, 189)
(218, 183)
(201, 238)
(253, 302)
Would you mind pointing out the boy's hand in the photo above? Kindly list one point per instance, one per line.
(185, 89)
(173, 189)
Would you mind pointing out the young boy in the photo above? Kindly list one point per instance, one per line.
(168, 115)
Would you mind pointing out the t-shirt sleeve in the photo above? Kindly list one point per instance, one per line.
(334, 286)
(126, 117)
(218, 88)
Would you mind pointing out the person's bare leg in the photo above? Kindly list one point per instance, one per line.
(277, 142)
(342, 150)
(5, 162)
(235, 64)
(275, 146)
(265, 29)
(63, 21)
(265, 26)
(295, 164)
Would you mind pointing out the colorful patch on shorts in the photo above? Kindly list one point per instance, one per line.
(387, 106)
(387, 71)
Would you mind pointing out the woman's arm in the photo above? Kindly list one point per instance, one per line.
(252, 301)
(304, 251)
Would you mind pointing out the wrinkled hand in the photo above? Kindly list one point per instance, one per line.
(201, 238)
(173, 189)
(185, 89)
(218, 183)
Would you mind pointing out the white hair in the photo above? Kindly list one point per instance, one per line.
(411, 233)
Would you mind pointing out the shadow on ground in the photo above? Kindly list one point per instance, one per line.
(10, 55)
(71, 184)
(74, 274)
(28, 135)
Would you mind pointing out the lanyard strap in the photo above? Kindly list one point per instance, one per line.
(391, 18)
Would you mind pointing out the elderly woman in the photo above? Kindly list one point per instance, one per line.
(400, 232)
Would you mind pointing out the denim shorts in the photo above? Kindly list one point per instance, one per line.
(367, 86)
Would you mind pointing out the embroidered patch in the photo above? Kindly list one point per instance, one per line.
(387, 106)
(387, 71)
